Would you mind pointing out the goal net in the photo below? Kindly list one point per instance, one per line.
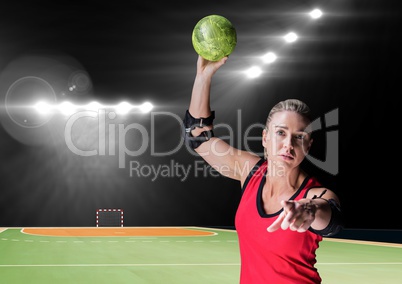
(109, 218)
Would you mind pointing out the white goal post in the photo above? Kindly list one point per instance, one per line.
(109, 218)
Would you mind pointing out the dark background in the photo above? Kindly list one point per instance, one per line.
(346, 61)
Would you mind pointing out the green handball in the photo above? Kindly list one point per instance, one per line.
(214, 37)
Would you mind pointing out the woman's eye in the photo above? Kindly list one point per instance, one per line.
(300, 137)
(280, 132)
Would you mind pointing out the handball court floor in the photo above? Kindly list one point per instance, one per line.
(169, 255)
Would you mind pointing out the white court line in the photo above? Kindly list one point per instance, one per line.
(3, 229)
(119, 265)
(117, 241)
(178, 264)
(361, 263)
(361, 242)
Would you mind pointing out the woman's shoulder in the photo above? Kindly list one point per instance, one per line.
(250, 166)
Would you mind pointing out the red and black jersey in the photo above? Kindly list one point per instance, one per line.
(278, 257)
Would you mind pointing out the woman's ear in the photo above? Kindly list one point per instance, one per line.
(264, 136)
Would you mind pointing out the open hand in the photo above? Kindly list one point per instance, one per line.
(296, 216)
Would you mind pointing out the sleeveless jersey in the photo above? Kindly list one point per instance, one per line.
(278, 257)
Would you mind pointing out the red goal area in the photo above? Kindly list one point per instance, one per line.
(109, 218)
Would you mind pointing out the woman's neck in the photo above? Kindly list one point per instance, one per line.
(280, 179)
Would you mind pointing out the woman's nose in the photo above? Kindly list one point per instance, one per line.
(288, 144)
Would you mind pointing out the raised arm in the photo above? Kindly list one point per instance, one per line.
(220, 155)
(200, 97)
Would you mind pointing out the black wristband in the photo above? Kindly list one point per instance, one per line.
(191, 123)
(335, 224)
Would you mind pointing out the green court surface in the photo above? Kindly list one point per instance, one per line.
(159, 259)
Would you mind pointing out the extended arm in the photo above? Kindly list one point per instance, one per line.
(319, 212)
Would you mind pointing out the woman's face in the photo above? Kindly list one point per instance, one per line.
(286, 140)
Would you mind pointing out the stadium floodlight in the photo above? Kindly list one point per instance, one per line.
(290, 37)
(315, 14)
(93, 106)
(253, 72)
(146, 107)
(66, 108)
(123, 108)
(43, 107)
(269, 57)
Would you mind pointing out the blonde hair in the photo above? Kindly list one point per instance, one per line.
(295, 105)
